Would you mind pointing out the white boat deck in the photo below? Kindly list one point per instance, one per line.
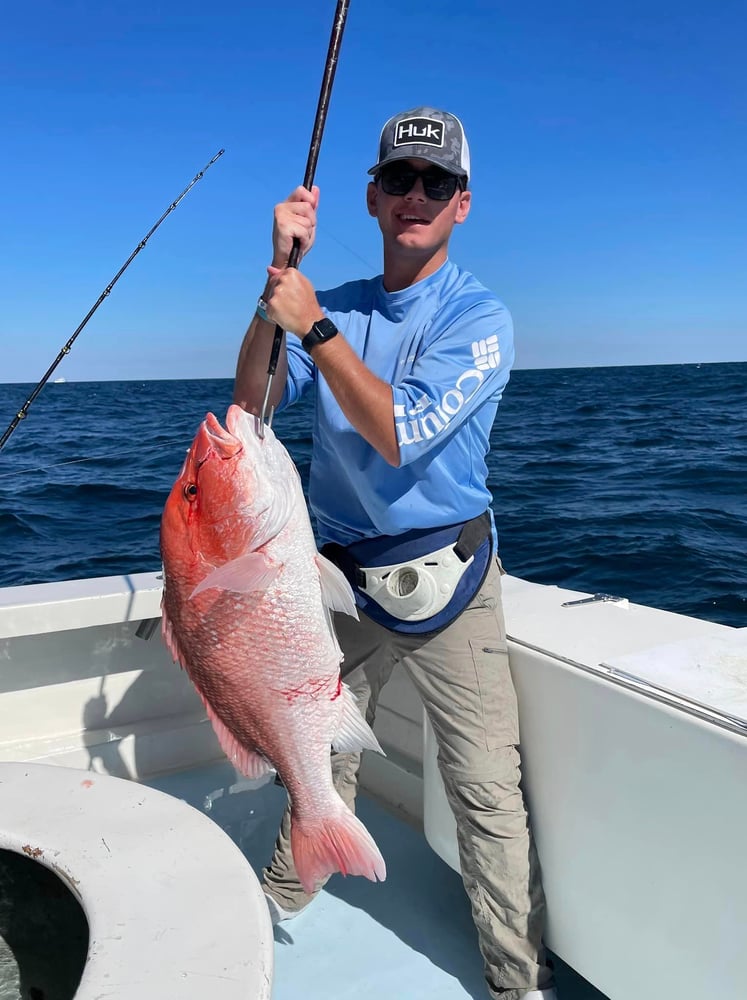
(408, 938)
(624, 710)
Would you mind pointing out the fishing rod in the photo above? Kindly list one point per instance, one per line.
(66, 349)
(338, 26)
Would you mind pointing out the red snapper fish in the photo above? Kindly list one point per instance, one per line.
(245, 612)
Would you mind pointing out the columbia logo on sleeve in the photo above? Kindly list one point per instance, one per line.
(428, 418)
(487, 353)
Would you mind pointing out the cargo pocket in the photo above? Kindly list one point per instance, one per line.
(497, 696)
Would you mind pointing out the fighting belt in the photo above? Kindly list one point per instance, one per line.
(418, 582)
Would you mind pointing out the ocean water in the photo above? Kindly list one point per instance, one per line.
(627, 480)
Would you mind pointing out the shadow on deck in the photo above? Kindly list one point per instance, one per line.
(409, 938)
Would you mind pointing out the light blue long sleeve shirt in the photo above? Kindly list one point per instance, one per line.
(445, 345)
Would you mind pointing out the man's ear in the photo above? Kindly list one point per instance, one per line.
(372, 194)
(465, 200)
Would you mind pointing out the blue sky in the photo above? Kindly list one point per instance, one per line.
(609, 151)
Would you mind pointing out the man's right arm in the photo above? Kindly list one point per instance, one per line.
(251, 369)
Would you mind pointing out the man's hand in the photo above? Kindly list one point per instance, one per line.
(291, 300)
(294, 218)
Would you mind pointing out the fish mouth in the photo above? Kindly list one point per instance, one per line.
(235, 417)
(245, 426)
(215, 439)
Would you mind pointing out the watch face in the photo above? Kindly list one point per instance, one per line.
(323, 329)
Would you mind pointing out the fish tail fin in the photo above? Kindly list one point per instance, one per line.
(338, 843)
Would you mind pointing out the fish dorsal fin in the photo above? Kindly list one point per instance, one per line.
(250, 762)
(337, 593)
(251, 572)
(353, 732)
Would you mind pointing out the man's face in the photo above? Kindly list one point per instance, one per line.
(413, 223)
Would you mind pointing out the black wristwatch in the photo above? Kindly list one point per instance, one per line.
(322, 330)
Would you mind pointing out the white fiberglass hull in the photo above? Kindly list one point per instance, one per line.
(638, 796)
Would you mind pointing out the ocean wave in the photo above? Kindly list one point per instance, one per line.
(627, 480)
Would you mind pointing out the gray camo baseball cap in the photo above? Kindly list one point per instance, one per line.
(426, 134)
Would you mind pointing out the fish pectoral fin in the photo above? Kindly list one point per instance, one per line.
(249, 573)
(337, 593)
(353, 733)
(279, 512)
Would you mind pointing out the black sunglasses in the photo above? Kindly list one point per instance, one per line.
(399, 178)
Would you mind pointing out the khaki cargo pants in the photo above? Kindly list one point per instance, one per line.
(463, 678)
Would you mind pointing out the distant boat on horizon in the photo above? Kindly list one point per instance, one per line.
(58, 380)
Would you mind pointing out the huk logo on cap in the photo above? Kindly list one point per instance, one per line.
(426, 131)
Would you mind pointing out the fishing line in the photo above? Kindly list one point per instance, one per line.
(66, 348)
(321, 230)
(90, 458)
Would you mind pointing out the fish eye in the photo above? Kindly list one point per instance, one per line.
(190, 492)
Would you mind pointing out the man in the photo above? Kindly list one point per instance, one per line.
(408, 369)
